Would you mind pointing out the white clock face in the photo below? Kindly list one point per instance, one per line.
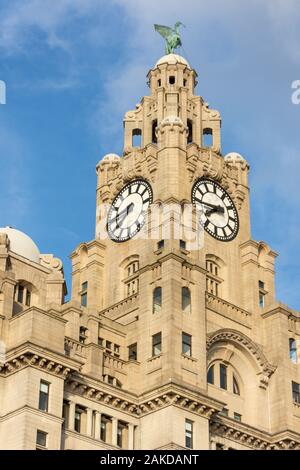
(128, 211)
(217, 212)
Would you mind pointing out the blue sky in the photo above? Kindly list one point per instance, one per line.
(73, 67)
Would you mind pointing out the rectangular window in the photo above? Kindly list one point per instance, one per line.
(84, 288)
(160, 244)
(132, 352)
(156, 344)
(182, 244)
(41, 438)
(117, 350)
(100, 342)
(210, 375)
(105, 420)
(296, 392)
(237, 417)
(44, 396)
(20, 294)
(28, 298)
(120, 435)
(108, 346)
(82, 334)
(223, 376)
(262, 294)
(188, 434)
(186, 344)
(77, 423)
(224, 412)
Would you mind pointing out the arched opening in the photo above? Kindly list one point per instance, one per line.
(207, 138)
(293, 350)
(137, 138)
(154, 126)
(157, 300)
(22, 297)
(190, 131)
(172, 80)
(186, 300)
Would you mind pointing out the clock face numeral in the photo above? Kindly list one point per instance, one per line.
(217, 212)
(127, 214)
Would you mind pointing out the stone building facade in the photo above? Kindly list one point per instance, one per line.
(162, 345)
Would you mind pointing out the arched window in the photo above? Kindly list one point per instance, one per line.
(190, 131)
(157, 299)
(186, 300)
(154, 126)
(210, 375)
(293, 350)
(207, 139)
(22, 297)
(136, 138)
(224, 377)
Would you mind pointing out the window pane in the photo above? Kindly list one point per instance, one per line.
(156, 344)
(188, 434)
(186, 299)
(296, 392)
(132, 352)
(237, 417)
(293, 350)
(210, 375)
(235, 386)
(77, 421)
(43, 397)
(41, 438)
(223, 376)
(28, 298)
(84, 300)
(186, 344)
(84, 286)
(20, 294)
(157, 299)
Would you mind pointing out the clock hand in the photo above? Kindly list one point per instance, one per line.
(123, 214)
(214, 208)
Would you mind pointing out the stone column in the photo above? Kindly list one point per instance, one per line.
(71, 416)
(114, 433)
(89, 421)
(97, 424)
(130, 436)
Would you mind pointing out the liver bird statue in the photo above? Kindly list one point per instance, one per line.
(171, 35)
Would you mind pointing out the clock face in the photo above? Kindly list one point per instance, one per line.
(218, 214)
(127, 214)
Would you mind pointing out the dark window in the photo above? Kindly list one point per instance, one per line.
(83, 296)
(186, 299)
(210, 375)
(160, 244)
(237, 417)
(44, 396)
(116, 350)
(159, 82)
(20, 294)
(137, 138)
(154, 126)
(41, 438)
(77, 423)
(105, 420)
(132, 352)
(120, 434)
(182, 245)
(82, 334)
(223, 376)
(224, 412)
(186, 344)
(262, 294)
(293, 350)
(172, 80)
(184, 82)
(235, 386)
(296, 392)
(108, 346)
(157, 299)
(156, 344)
(28, 298)
(190, 131)
(188, 434)
(100, 342)
(207, 137)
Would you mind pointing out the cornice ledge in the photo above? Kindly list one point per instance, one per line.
(282, 309)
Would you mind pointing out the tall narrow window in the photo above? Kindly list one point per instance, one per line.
(207, 137)
(210, 375)
(154, 126)
(213, 279)
(82, 334)
(296, 392)
(223, 376)
(190, 131)
(186, 299)
(20, 293)
(235, 386)
(121, 432)
(77, 423)
(137, 138)
(41, 439)
(157, 299)
(105, 423)
(188, 434)
(28, 298)
(262, 294)
(44, 396)
(186, 344)
(132, 352)
(172, 80)
(84, 293)
(156, 344)
(293, 350)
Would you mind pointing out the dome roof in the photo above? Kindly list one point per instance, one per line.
(21, 244)
(111, 157)
(172, 59)
(234, 157)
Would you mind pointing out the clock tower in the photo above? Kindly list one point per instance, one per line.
(179, 312)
